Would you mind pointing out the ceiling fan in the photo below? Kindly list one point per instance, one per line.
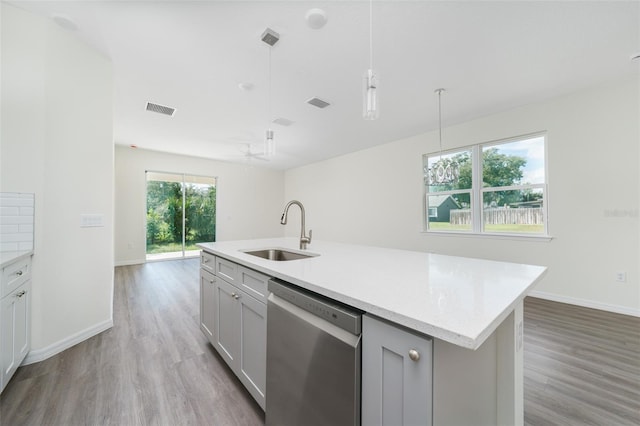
(241, 148)
(249, 153)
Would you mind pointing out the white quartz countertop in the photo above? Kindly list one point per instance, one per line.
(7, 257)
(457, 299)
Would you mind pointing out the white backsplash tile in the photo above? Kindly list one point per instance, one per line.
(16, 221)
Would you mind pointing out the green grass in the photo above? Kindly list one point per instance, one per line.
(515, 228)
(511, 228)
(169, 248)
(446, 226)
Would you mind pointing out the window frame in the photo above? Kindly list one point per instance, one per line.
(477, 191)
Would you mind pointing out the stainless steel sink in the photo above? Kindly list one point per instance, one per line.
(279, 254)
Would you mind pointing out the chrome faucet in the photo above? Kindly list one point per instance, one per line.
(304, 240)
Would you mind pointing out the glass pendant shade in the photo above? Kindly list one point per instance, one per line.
(269, 144)
(370, 108)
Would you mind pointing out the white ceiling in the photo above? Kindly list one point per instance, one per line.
(191, 55)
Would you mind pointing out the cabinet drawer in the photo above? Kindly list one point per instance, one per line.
(14, 275)
(208, 261)
(226, 270)
(254, 283)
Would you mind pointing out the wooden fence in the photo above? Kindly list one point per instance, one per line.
(501, 216)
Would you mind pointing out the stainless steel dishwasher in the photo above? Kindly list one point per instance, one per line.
(313, 359)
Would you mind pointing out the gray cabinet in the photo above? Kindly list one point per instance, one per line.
(397, 375)
(227, 331)
(207, 304)
(240, 336)
(252, 359)
(237, 321)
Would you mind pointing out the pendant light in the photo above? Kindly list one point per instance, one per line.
(444, 171)
(370, 107)
(270, 37)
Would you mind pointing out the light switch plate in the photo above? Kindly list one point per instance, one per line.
(91, 220)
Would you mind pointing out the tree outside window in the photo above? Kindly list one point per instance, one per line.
(509, 196)
(180, 213)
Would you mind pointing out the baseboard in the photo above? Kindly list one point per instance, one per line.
(51, 350)
(586, 303)
(129, 262)
(141, 261)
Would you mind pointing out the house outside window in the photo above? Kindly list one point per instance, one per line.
(498, 188)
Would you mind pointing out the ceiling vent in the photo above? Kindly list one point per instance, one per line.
(270, 37)
(160, 109)
(283, 121)
(317, 102)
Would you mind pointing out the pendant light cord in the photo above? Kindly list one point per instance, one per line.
(439, 92)
(269, 92)
(440, 119)
(370, 34)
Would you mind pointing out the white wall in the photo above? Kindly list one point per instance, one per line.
(57, 143)
(374, 196)
(249, 199)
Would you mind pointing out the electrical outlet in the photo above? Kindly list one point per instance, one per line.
(621, 276)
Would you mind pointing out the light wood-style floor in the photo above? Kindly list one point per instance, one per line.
(154, 367)
(581, 366)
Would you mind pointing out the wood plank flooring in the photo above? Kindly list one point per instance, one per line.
(581, 366)
(154, 367)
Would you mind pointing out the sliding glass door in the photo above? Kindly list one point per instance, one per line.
(181, 212)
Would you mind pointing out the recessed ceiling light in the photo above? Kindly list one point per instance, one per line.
(316, 18)
(65, 22)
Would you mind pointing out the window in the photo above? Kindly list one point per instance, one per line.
(492, 188)
(181, 212)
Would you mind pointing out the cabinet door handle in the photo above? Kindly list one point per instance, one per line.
(22, 293)
(212, 281)
(19, 273)
(205, 260)
(235, 296)
(414, 355)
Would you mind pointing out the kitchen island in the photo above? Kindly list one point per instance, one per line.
(471, 308)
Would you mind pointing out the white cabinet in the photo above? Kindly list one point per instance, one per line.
(207, 304)
(15, 317)
(236, 321)
(397, 375)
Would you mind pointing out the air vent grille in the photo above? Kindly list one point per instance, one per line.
(270, 37)
(317, 102)
(160, 109)
(283, 121)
